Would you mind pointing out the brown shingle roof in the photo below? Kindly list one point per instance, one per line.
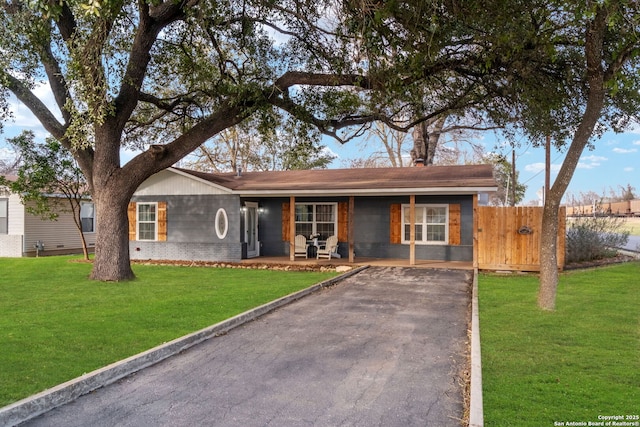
(467, 179)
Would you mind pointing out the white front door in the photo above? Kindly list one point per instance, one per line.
(251, 229)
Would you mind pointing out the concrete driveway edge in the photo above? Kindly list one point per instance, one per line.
(476, 415)
(37, 404)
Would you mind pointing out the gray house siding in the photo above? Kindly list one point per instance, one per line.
(191, 231)
(372, 231)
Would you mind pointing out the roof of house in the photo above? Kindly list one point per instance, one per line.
(458, 179)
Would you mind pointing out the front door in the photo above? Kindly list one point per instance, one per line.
(251, 229)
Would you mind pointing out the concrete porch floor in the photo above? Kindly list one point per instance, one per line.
(380, 262)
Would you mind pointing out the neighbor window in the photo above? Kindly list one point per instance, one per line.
(4, 216)
(316, 219)
(87, 217)
(431, 223)
(147, 221)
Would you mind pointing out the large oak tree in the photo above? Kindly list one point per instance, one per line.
(166, 76)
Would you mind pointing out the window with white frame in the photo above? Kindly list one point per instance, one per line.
(316, 219)
(431, 224)
(87, 217)
(147, 214)
(222, 223)
(4, 216)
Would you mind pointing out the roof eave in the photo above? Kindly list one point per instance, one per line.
(367, 192)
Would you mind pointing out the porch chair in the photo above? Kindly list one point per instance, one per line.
(301, 246)
(330, 247)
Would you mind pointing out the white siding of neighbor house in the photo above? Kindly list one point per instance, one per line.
(61, 235)
(11, 243)
(16, 214)
(168, 183)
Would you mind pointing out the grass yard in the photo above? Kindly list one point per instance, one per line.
(632, 225)
(56, 324)
(569, 366)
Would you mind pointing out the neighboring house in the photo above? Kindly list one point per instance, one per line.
(20, 231)
(179, 214)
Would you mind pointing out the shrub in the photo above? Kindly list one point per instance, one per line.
(591, 238)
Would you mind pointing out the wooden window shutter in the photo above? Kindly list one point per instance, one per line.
(131, 214)
(285, 222)
(454, 224)
(395, 224)
(343, 222)
(162, 221)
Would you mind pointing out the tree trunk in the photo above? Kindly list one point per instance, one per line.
(549, 253)
(426, 137)
(593, 110)
(85, 250)
(111, 262)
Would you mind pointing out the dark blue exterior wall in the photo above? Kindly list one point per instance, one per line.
(191, 231)
(191, 228)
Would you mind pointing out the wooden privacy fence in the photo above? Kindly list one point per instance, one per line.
(508, 238)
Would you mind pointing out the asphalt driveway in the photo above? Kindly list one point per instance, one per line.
(384, 347)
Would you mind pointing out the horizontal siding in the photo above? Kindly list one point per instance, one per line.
(61, 234)
(16, 216)
(166, 183)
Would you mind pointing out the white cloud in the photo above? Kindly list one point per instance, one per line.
(624, 150)
(636, 142)
(328, 151)
(591, 162)
(539, 167)
(6, 153)
(628, 169)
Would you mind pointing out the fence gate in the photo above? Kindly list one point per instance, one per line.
(508, 238)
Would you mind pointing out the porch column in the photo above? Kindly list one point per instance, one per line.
(292, 228)
(412, 229)
(350, 231)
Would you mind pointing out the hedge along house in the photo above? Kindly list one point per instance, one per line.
(179, 214)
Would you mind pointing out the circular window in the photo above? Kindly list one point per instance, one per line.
(222, 223)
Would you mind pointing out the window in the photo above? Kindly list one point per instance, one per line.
(147, 221)
(431, 224)
(316, 219)
(222, 223)
(87, 217)
(4, 216)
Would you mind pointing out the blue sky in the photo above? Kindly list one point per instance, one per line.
(614, 162)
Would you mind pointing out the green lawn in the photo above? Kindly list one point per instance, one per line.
(56, 324)
(572, 365)
(632, 225)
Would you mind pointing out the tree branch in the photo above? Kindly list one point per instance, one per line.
(293, 78)
(35, 105)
